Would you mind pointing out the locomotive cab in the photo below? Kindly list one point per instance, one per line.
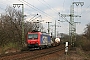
(32, 40)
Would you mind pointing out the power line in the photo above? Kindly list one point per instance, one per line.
(86, 9)
(49, 6)
(28, 5)
(33, 17)
(37, 17)
(35, 8)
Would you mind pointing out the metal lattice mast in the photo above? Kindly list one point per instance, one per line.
(55, 28)
(48, 27)
(72, 26)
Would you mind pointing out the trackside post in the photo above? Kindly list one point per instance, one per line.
(66, 48)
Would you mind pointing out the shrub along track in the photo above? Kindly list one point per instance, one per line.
(30, 55)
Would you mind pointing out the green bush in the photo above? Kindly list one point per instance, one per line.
(83, 43)
(9, 46)
(86, 45)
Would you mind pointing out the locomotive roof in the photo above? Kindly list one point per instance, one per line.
(39, 32)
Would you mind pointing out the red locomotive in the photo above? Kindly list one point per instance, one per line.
(36, 39)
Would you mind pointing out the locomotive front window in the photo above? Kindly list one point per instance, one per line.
(32, 36)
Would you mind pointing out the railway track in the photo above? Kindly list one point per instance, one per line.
(30, 55)
(42, 54)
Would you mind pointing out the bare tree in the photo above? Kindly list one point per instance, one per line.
(10, 27)
(87, 31)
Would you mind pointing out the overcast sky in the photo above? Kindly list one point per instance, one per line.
(48, 9)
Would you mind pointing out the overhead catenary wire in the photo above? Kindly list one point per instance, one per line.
(33, 17)
(35, 8)
(49, 6)
(27, 9)
(86, 10)
(36, 17)
(39, 9)
(27, 4)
